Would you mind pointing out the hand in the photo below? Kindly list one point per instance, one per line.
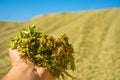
(25, 70)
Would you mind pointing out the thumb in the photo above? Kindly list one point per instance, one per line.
(14, 55)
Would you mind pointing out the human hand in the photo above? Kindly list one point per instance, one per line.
(25, 70)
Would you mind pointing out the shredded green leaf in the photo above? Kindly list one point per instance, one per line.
(54, 54)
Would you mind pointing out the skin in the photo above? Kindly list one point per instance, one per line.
(21, 70)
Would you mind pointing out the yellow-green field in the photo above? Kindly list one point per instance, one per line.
(95, 36)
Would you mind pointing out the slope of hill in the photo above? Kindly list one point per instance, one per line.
(95, 35)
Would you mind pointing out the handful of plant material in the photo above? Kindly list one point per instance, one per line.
(54, 54)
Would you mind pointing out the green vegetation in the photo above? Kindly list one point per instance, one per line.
(54, 54)
(95, 35)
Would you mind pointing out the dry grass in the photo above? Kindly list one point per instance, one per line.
(95, 36)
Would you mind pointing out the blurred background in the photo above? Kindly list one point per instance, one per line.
(93, 27)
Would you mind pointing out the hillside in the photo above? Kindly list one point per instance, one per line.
(95, 35)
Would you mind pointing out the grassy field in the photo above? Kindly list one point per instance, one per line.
(95, 36)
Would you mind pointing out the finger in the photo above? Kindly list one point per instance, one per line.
(14, 55)
(44, 74)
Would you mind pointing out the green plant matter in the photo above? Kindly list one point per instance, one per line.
(54, 54)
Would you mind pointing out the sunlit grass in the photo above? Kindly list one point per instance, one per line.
(95, 35)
